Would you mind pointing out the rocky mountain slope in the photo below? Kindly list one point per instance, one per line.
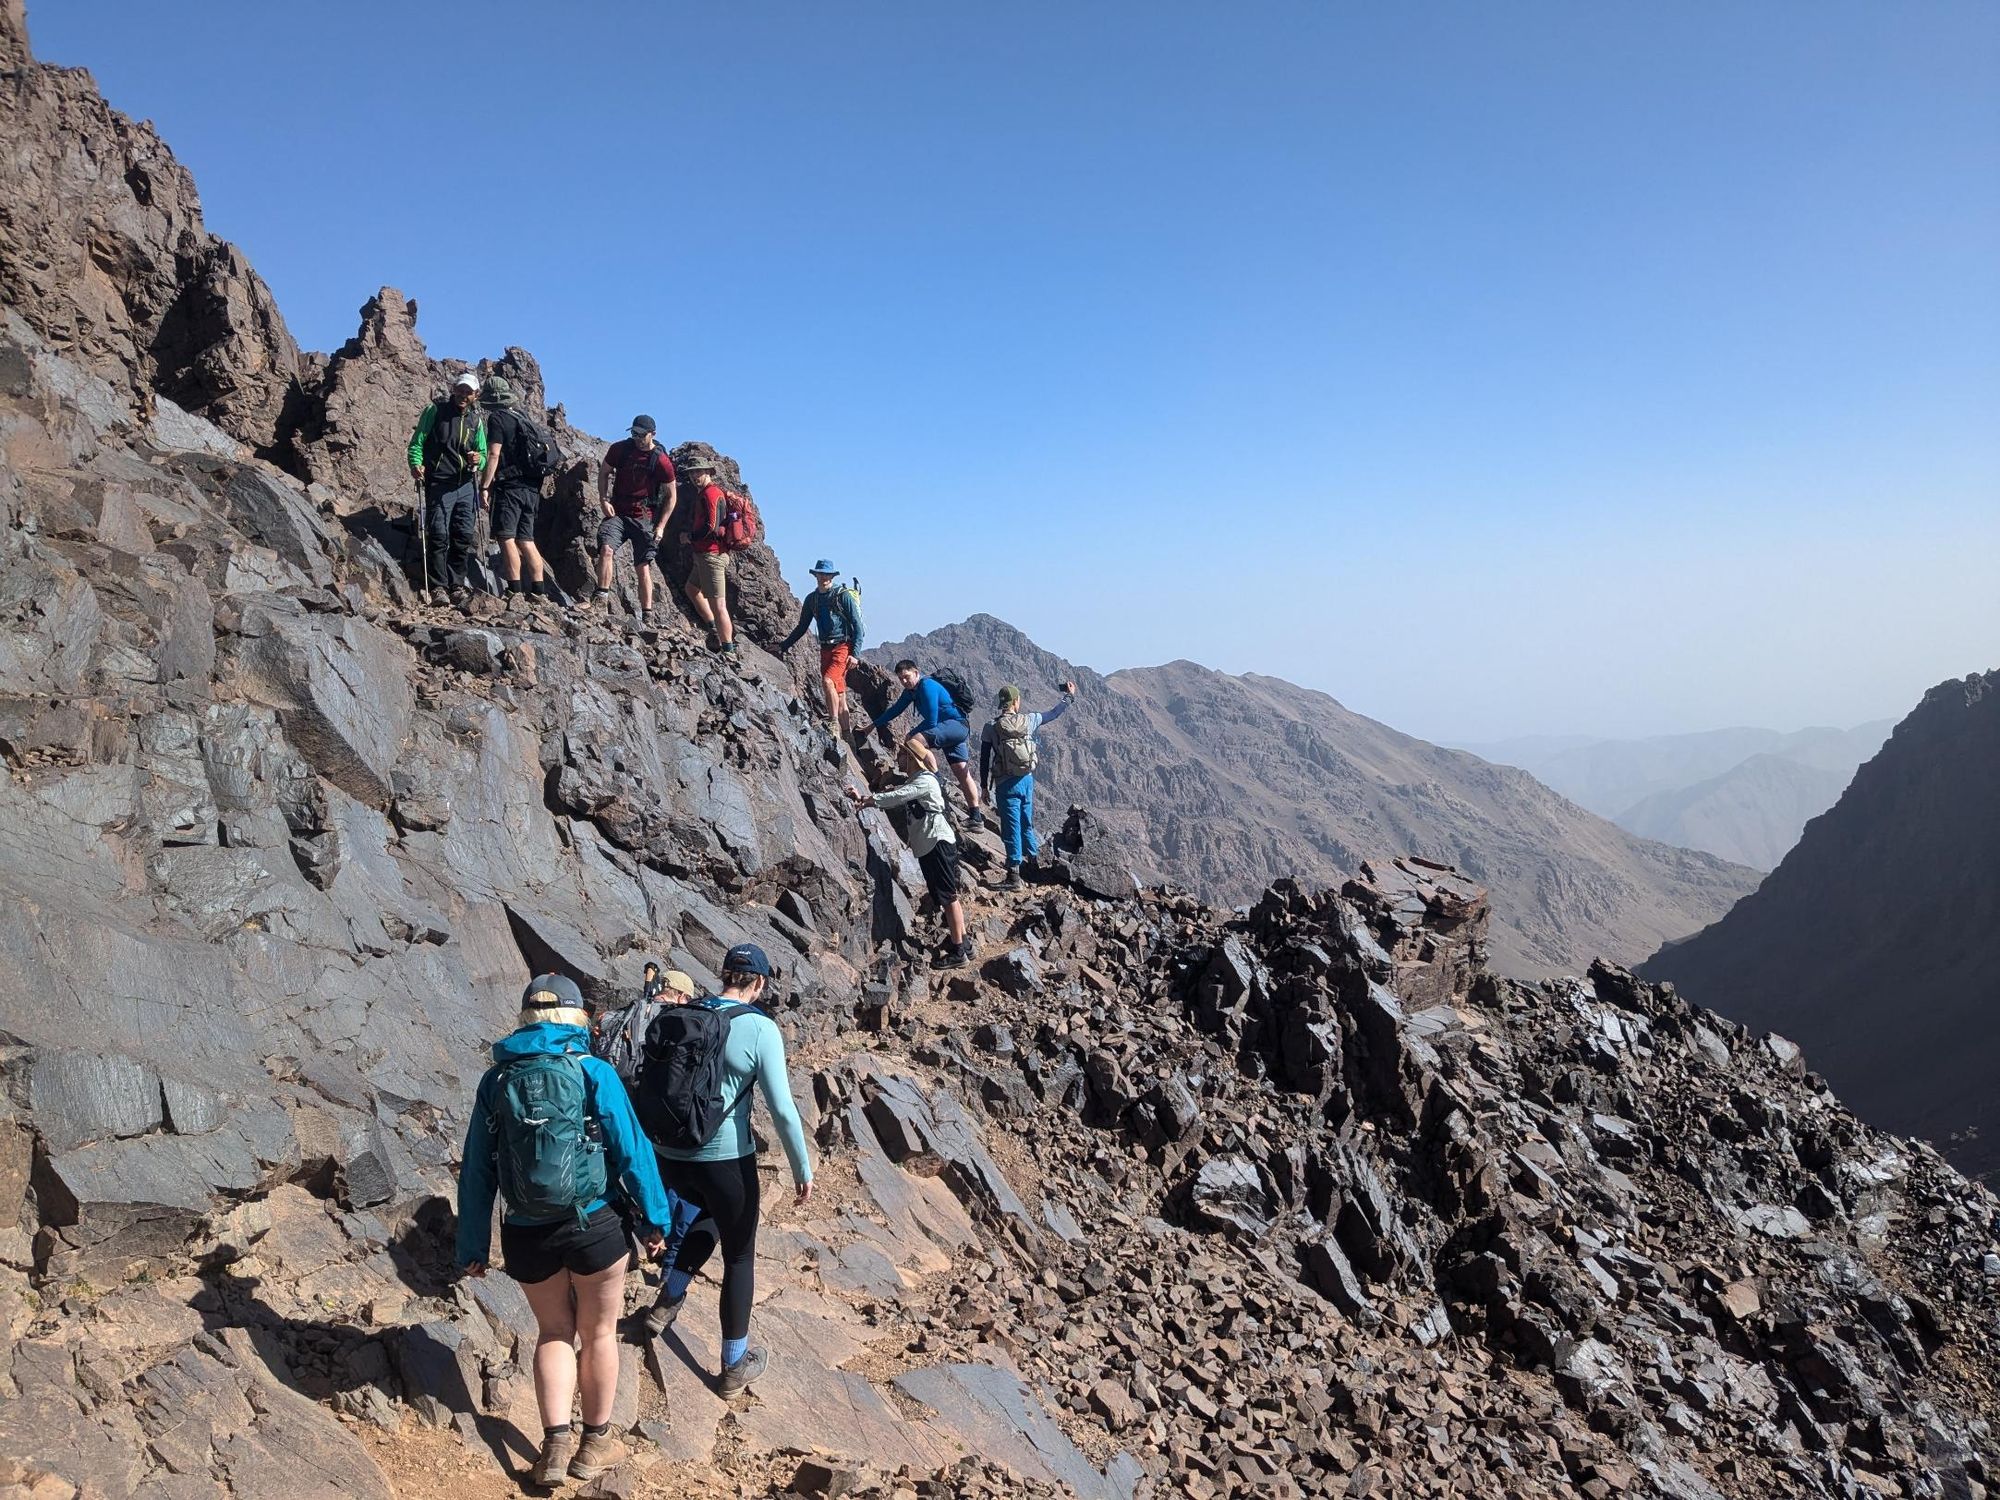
(1742, 794)
(1226, 783)
(1870, 941)
(1155, 1200)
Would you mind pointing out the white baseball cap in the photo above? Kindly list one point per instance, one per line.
(468, 380)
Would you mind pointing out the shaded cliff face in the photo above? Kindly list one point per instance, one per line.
(1870, 943)
(1226, 783)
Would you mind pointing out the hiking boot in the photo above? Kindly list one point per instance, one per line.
(597, 1452)
(1013, 882)
(658, 1318)
(552, 1466)
(736, 1378)
(953, 957)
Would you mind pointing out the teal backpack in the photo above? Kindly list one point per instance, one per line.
(551, 1154)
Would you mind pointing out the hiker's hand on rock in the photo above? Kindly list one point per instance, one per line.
(476, 1269)
(654, 1244)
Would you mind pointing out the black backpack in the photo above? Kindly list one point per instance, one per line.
(954, 684)
(679, 1090)
(620, 1037)
(529, 451)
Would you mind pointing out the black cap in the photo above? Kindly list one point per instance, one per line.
(552, 992)
(643, 423)
(746, 958)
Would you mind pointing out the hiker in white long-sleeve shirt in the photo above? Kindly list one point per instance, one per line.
(930, 836)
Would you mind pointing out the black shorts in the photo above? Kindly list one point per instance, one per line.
(940, 868)
(535, 1252)
(638, 530)
(514, 507)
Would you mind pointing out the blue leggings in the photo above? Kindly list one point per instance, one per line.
(1016, 796)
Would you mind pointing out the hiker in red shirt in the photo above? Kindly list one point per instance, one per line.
(636, 473)
(708, 570)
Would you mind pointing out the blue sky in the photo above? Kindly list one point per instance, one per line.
(1497, 369)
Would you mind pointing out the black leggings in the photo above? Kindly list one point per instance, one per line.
(727, 1192)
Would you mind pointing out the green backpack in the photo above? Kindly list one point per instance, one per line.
(1014, 750)
(551, 1154)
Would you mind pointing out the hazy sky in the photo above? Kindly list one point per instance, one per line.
(1496, 369)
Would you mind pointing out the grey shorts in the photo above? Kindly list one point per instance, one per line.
(612, 531)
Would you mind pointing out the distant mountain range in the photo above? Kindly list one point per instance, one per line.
(1871, 943)
(1224, 783)
(1743, 794)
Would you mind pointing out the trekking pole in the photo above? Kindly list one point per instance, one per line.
(424, 540)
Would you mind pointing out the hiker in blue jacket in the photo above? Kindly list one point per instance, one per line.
(939, 725)
(837, 617)
(547, 1103)
(1007, 759)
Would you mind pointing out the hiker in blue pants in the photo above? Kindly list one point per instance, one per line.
(1007, 759)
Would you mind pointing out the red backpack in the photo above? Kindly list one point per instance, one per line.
(727, 519)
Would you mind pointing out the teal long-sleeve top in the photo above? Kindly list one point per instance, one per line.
(629, 1160)
(754, 1054)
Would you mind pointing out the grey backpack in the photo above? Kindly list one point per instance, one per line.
(1014, 752)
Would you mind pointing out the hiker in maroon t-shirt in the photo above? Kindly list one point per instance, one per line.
(635, 475)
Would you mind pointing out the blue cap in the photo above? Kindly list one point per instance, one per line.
(746, 958)
(551, 992)
(825, 568)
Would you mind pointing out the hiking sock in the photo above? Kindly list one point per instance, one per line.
(553, 1428)
(676, 1284)
(733, 1349)
(596, 1429)
(515, 586)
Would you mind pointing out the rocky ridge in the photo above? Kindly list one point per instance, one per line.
(1158, 1199)
(1223, 784)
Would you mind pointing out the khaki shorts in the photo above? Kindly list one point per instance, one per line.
(709, 573)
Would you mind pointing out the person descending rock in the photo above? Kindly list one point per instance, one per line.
(931, 839)
(516, 453)
(702, 1062)
(554, 1134)
(448, 459)
(1007, 760)
(835, 613)
(635, 474)
(707, 584)
(940, 724)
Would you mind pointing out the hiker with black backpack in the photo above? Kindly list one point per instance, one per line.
(930, 838)
(553, 1133)
(1008, 756)
(520, 455)
(703, 1061)
(836, 614)
(635, 475)
(448, 459)
(941, 722)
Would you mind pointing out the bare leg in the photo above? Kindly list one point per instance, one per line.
(962, 769)
(646, 587)
(700, 602)
(606, 561)
(510, 560)
(955, 915)
(836, 705)
(725, 632)
(599, 1300)
(555, 1347)
(532, 555)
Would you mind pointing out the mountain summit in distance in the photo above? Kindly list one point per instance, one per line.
(1226, 783)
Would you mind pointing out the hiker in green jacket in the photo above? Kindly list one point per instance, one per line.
(448, 458)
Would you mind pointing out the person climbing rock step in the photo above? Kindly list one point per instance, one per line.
(1008, 756)
(705, 1061)
(931, 839)
(940, 724)
(561, 1233)
(707, 585)
(448, 460)
(512, 485)
(835, 614)
(637, 490)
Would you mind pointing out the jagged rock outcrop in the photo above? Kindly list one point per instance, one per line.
(1223, 784)
(1869, 943)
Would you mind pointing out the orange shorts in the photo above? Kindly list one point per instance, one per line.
(833, 662)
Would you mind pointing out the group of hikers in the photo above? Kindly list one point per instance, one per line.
(625, 1136)
(615, 1138)
(475, 451)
